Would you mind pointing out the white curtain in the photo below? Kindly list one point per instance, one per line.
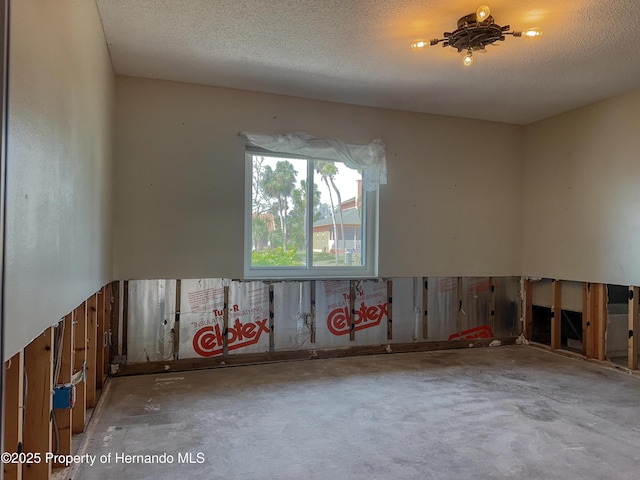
(371, 158)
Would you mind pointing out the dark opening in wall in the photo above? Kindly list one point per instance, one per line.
(541, 331)
(571, 331)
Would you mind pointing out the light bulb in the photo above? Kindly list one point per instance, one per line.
(419, 44)
(468, 59)
(482, 13)
(532, 32)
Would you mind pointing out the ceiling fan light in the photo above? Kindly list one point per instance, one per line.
(482, 13)
(532, 32)
(468, 59)
(419, 44)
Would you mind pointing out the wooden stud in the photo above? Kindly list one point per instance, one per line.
(633, 328)
(556, 313)
(528, 310)
(585, 318)
(100, 322)
(588, 322)
(352, 310)
(92, 349)
(459, 312)
(80, 408)
(114, 327)
(601, 322)
(38, 364)
(176, 322)
(313, 311)
(13, 413)
(492, 305)
(106, 335)
(389, 310)
(125, 319)
(425, 308)
(272, 338)
(225, 323)
(63, 416)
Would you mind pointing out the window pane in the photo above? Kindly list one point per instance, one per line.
(337, 215)
(278, 212)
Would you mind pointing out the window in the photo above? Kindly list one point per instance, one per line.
(307, 217)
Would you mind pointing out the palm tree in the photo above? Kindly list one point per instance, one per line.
(279, 184)
(328, 171)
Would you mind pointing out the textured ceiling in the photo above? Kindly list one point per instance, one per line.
(357, 51)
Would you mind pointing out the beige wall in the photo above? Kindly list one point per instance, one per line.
(582, 194)
(58, 248)
(452, 205)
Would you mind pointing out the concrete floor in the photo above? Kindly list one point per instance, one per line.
(508, 412)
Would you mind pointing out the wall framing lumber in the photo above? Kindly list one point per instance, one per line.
(272, 339)
(175, 331)
(601, 315)
(100, 322)
(588, 322)
(492, 305)
(311, 355)
(114, 324)
(633, 328)
(352, 310)
(79, 414)
(585, 317)
(425, 308)
(63, 416)
(527, 327)
(556, 314)
(38, 363)
(225, 323)
(313, 311)
(13, 413)
(92, 349)
(106, 335)
(459, 312)
(389, 310)
(125, 319)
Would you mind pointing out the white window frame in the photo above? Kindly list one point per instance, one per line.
(370, 207)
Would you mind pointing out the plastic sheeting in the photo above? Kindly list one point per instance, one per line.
(292, 315)
(443, 307)
(151, 320)
(407, 312)
(507, 306)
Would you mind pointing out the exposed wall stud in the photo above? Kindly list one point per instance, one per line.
(176, 321)
(63, 416)
(13, 413)
(38, 358)
(125, 319)
(114, 324)
(225, 323)
(92, 349)
(633, 328)
(352, 310)
(271, 319)
(313, 311)
(389, 310)
(556, 313)
(100, 321)
(425, 308)
(80, 409)
(528, 310)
